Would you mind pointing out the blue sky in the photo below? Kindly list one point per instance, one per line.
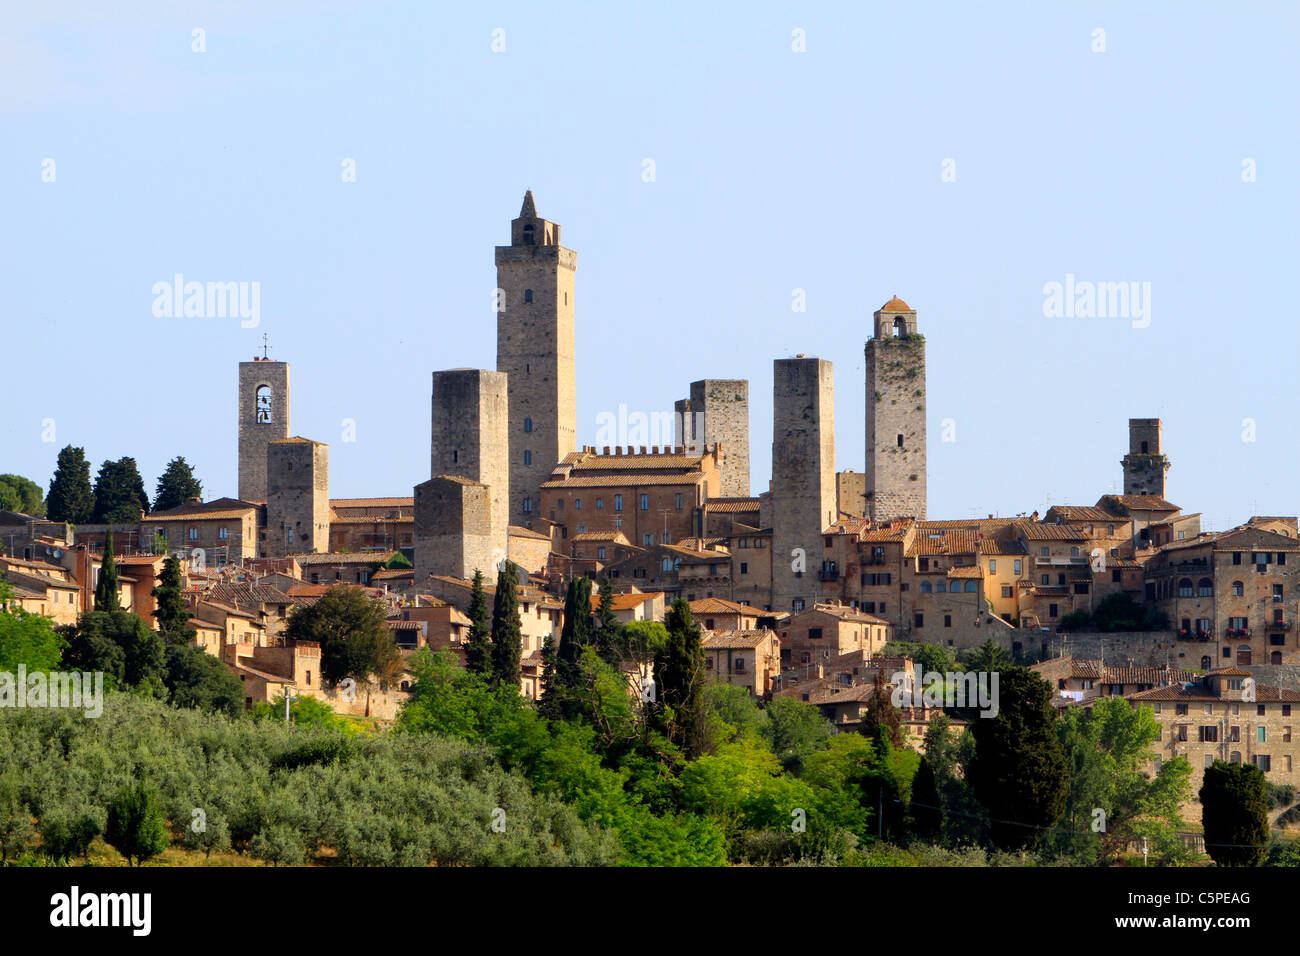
(775, 170)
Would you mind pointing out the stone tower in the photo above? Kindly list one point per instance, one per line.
(535, 349)
(895, 473)
(462, 513)
(1145, 465)
(298, 498)
(263, 418)
(718, 411)
(803, 477)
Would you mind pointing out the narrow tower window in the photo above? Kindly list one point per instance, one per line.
(1144, 448)
(528, 235)
(528, 424)
(900, 441)
(263, 404)
(528, 295)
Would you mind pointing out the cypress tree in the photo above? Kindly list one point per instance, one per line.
(925, 809)
(106, 598)
(548, 705)
(679, 676)
(507, 630)
(608, 634)
(176, 485)
(71, 498)
(119, 492)
(478, 647)
(1234, 814)
(171, 613)
(1019, 772)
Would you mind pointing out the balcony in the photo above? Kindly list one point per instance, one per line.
(1279, 625)
(1236, 632)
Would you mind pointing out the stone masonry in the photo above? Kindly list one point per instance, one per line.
(535, 348)
(895, 470)
(298, 502)
(263, 417)
(462, 514)
(1145, 465)
(803, 477)
(718, 412)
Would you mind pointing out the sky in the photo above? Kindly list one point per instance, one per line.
(713, 166)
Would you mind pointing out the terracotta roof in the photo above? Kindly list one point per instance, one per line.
(1199, 692)
(993, 548)
(372, 502)
(843, 612)
(240, 593)
(970, 571)
(616, 536)
(736, 640)
(954, 541)
(1140, 502)
(895, 305)
(217, 508)
(719, 606)
(589, 461)
(730, 505)
(341, 557)
(516, 531)
(1046, 531)
(1084, 513)
(625, 602)
(228, 515)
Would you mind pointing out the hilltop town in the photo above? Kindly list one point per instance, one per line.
(809, 589)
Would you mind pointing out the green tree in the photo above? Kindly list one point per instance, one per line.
(67, 831)
(607, 637)
(119, 492)
(106, 588)
(349, 626)
(195, 678)
(136, 827)
(478, 644)
(507, 630)
(176, 485)
(575, 636)
(25, 638)
(925, 812)
(881, 716)
(171, 613)
(120, 644)
(679, 680)
(548, 704)
(71, 498)
(21, 494)
(1019, 771)
(1234, 814)
(795, 730)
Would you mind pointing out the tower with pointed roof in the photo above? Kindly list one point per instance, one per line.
(535, 348)
(895, 474)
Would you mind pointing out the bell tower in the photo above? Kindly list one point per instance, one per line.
(895, 354)
(263, 415)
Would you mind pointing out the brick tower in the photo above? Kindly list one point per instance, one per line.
(263, 417)
(895, 474)
(535, 350)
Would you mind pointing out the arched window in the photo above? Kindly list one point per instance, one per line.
(1238, 589)
(900, 327)
(528, 424)
(971, 587)
(1205, 588)
(667, 564)
(941, 587)
(263, 397)
(528, 295)
(528, 235)
(1205, 662)
(1185, 587)
(926, 587)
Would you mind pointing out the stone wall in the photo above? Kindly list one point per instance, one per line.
(896, 434)
(298, 499)
(255, 435)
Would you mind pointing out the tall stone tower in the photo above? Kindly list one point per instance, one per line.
(1145, 465)
(298, 499)
(718, 411)
(895, 415)
(462, 513)
(803, 477)
(535, 349)
(263, 418)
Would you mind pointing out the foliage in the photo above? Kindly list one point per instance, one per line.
(1117, 612)
(172, 613)
(119, 492)
(176, 485)
(507, 629)
(679, 680)
(22, 495)
(478, 643)
(106, 588)
(795, 730)
(1234, 814)
(1019, 771)
(136, 827)
(27, 639)
(70, 497)
(120, 644)
(349, 626)
(194, 678)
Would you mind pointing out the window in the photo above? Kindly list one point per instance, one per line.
(1261, 734)
(1180, 710)
(666, 564)
(797, 604)
(1238, 589)
(1115, 576)
(677, 501)
(941, 587)
(1006, 590)
(645, 502)
(947, 620)
(290, 536)
(1045, 551)
(740, 665)
(666, 537)
(1074, 552)
(1236, 557)
(920, 620)
(1185, 587)
(1017, 565)
(263, 398)
(744, 567)
(926, 587)
(528, 295)
(600, 554)
(528, 456)
(600, 504)
(528, 425)
(648, 539)
(528, 235)
(194, 534)
(993, 566)
(1209, 733)
(1281, 557)
(1052, 610)
(577, 503)
(1277, 592)
(618, 502)
(814, 633)
(900, 441)
(1263, 762)
(1204, 588)
(223, 533)
(1046, 580)
(528, 506)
